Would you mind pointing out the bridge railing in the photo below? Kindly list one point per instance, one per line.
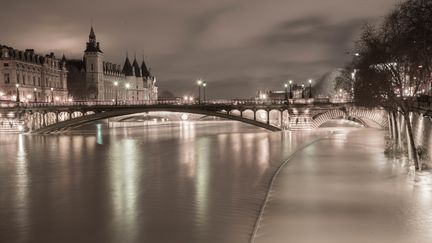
(124, 103)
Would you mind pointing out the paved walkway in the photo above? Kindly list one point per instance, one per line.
(343, 189)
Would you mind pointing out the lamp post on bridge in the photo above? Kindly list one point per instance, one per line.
(204, 89)
(290, 86)
(127, 86)
(303, 91)
(116, 92)
(310, 88)
(199, 82)
(52, 95)
(35, 94)
(286, 93)
(17, 91)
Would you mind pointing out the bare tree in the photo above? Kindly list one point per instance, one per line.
(394, 62)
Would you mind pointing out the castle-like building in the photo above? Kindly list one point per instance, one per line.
(93, 78)
(27, 77)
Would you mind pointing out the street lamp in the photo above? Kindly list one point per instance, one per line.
(17, 91)
(290, 85)
(116, 91)
(204, 89)
(127, 86)
(52, 95)
(35, 94)
(310, 88)
(286, 93)
(302, 91)
(199, 82)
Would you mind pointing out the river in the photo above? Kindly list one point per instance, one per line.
(178, 182)
(175, 182)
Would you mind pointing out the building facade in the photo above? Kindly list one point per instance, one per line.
(93, 78)
(28, 77)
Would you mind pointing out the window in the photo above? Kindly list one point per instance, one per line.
(34, 81)
(23, 79)
(18, 78)
(5, 64)
(7, 78)
(92, 67)
(39, 81)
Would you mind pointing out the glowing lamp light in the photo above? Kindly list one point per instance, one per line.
(310, 81)
(70, 99)
(127, 86)
(29, 96)
(185, 98)
(191, 98)
(199, 82)
(286, 85)
(115, 83)
(17, 85)
(184, 117)
(20, 128)
(290, 82)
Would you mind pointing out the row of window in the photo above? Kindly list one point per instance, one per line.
(33, 81)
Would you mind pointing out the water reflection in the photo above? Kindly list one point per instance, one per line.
(181, 182)
(22, 181)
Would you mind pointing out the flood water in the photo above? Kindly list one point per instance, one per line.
(179, 182)
(206, 182)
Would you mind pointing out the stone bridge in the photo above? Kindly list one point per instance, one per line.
(273, 115)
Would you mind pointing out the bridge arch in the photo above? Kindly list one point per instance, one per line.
(376, 118)
(77, 121)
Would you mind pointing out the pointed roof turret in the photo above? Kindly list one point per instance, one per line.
(92, 45)
(136, 68)
(92, 35)
(144, 69)
(127, 67)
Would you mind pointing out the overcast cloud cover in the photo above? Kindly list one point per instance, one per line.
(238, 46)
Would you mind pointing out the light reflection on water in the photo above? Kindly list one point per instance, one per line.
(183, 182)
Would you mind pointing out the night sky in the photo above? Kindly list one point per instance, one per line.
(237, 46)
